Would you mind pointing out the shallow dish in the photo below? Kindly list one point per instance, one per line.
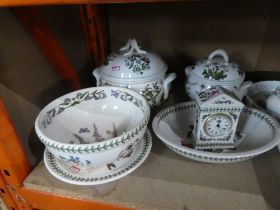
(93, 126)
(103, 174)
(257, 133)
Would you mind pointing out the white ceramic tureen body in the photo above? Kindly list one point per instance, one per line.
(216, 70)
(136, 69)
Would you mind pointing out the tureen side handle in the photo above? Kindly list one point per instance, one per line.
(96, 74)
(134, 48)
(219, 52)
(166, 84)
(242, 90)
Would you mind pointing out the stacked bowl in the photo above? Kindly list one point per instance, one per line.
(92, 129)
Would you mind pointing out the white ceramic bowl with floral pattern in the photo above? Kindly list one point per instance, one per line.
(256, 133)
(216, 70)
(133, 68)
(94, 126)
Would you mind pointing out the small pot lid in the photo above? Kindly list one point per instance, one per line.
(132, 63)
(217, 67)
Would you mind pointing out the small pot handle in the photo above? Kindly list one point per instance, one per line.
(242, 90)
(96, 74)
(134, 48)
(170, 77)
(219, 53)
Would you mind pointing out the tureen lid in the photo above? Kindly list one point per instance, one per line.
(130, 62)
(217, 67)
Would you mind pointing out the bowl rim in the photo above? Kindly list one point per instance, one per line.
(96, 146)
(230, 155)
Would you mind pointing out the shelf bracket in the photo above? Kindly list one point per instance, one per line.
(95, 27)
(33, 21)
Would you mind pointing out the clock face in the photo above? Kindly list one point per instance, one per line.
(218, 125)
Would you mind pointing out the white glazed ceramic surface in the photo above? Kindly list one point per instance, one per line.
(103, 174)
(216, 70)
(93, 126)
(259, 133)
(273, 103)
(132, 63)
(154, 91)
(137, 69)
(217, 114)
(259, 92)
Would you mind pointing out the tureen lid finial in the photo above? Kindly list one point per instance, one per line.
(134, 49)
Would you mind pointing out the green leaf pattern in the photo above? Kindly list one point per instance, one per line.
(70, 102)
(214, 72)
(138, 63)
(95, 147)
(151, 92)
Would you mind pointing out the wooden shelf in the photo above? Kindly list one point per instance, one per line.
(8, 3)
(167, 181)
(164, 181)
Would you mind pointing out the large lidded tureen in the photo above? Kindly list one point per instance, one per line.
(137, 69)
(216, 70)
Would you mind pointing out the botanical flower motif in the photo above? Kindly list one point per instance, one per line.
(84, 130)
(69, 102)
(110, 166)
(111, 57)
(96, 135)
(115, 93)
(151, 91)
(74, 159)
(126, 153)
(214, 72)
(138, 63)
(80, 139)
(127, 97)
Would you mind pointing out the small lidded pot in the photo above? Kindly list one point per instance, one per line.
(216, 70)
(136, 69)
